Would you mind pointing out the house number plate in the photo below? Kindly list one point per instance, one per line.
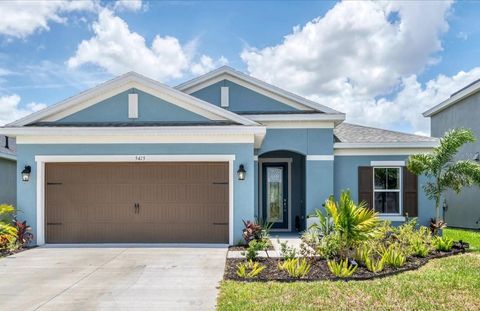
(140, 158)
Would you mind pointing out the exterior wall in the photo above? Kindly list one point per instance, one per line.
(307, 142)
(241, 99)
(243, 201)
(150, 109)
(463, 209)
(8, 185)
(346, 178)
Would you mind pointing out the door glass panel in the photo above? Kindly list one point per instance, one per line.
(274, 194)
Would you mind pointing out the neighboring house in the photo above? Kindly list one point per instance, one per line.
(133, 160)
(8, 171)
(461, 110)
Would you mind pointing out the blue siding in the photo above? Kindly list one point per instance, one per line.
(8, 186)
(150, 109)
(346, 177)
(303, 141)
(319, 183)
(243, 190)
(241, 99)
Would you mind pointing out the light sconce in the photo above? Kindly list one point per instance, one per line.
(26, 173)
(241, 172)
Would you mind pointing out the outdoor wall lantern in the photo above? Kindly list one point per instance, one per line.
(241, 172)
(26, 173)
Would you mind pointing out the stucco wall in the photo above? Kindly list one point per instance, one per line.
(150, 108)
(346, 178)
(463, 209)
(243, 190)
(8, 185)
(241, 99)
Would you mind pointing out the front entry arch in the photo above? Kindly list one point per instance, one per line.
(281, 189)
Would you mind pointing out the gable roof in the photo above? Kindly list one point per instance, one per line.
(353, 134)
(464, 92)
(226, 72)
(10, 152)
(90, 96)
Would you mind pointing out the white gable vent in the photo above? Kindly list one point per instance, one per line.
(132, 106)
(224, 96)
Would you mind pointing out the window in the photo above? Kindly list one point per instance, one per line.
(387, 190)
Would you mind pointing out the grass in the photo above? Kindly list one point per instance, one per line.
(470, 236)
(451, 283)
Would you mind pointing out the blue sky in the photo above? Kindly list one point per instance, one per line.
(381, 63)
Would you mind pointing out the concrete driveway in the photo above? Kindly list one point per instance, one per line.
(111, 278)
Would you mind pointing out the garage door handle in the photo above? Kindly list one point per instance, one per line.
(136, 207)
(54, 223)
(220, 223)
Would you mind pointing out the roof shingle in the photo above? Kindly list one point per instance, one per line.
(353, 133)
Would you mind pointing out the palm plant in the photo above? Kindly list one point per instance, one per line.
(443, 171)
(353, 223)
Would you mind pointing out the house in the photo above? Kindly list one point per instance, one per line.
(8, 171)
(134, 160)
(461, 110)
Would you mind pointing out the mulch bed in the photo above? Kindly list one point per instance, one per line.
(244, 248)
(319, 270)
(19, 250)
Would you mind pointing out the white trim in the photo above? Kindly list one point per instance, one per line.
(254, 84)
(387, 163)
(320, 157)
(124, 83)
(399, 190)
(380, 151)
(299, 124)
(133, 106)
(260, 191)
(6, 156)
(132, 139)
(296, 117)
(224, 97)
(470, 90)
(42, 159)
(146, 130)
(392, 217)
(255, 158)
(406, 145)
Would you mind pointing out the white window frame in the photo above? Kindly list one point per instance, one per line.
(399, 190)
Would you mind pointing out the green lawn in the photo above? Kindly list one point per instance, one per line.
(451, 283)
(470, 236)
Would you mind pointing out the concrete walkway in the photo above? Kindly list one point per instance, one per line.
(112, 278)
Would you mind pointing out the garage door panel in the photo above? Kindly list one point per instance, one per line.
(178, 202)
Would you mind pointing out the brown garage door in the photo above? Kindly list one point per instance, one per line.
(137, 202)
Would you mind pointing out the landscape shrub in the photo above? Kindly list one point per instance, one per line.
(249, 269)
(295, 267)
(442, 244)
(343, 268)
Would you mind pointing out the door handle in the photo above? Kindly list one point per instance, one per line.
(136, 207)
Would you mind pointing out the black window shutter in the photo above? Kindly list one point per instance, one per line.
(410, 193)
(365, 185)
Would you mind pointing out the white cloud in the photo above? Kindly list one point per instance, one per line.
(207, 64)
(117, 49)
(128, 5)
(356, 53)
(10, 109)
(21, 19)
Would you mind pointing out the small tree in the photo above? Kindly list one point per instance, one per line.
(444, 172)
